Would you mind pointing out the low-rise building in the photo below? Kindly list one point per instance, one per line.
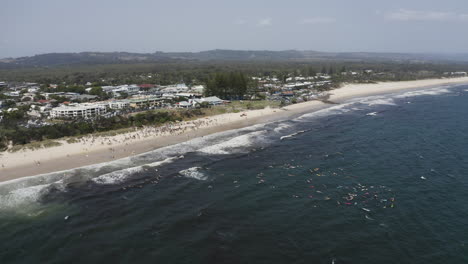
(120, 104)
(212, 100)
(178, 88)
(197, 89)
(78, 111)
(128, 89)
(150, 101)
(146, 86)
(71, 96)
(33, 89)
(187, 95)
(459, 74)
(183, 104)
(13, 94)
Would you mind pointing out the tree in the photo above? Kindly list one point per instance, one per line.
(8, 103)
(123, 95)
(324, 70)
(96, 91)
(39, 97)
(282, 103)
(311, 71)
(227, 85)
(204, 105)
(58, 99)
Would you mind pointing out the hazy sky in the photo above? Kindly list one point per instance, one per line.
(29, 27)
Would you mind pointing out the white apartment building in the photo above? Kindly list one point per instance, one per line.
(130, 89)
(122, 104)
(78, 111)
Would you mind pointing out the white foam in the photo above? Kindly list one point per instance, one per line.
(282, 127)
(28, 190)
(194, 173)
(122, 175)
(117, 176)
(22, 196)
(371, 101)
(292, 135)
(377, 100)
(333, 110)
(437, 91)
(233, 145)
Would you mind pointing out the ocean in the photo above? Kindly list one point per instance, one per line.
(381, 179)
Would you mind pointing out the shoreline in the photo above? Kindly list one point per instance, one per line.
(94, 150)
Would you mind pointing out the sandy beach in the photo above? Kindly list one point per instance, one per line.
(92, 149)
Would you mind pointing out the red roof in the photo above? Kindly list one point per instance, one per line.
(43, 101)
(146, 85)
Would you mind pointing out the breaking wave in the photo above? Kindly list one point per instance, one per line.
(333, 110)
(436, 91)
(30, 189)
(122, 175)
(282, 127)
(15, 198)
(194, 173)
(292, 135)
(377, 101)
(234, 145)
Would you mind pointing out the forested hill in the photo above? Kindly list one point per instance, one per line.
(92, 58)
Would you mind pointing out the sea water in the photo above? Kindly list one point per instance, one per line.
(381, 179)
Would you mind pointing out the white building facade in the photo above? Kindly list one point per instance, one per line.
(78, 111)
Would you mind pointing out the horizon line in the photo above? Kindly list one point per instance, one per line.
(245, 50)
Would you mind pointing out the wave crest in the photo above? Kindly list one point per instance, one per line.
(194, 173)
(233, 145)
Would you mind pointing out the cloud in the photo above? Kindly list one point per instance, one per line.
(463, 17)
(317, 20)
(418, 15)
(265, 22)
(240, 22)
(3, 43)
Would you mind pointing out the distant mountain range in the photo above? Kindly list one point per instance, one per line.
(92, 58)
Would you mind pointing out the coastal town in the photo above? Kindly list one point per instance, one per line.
(225, 132)
(87, 101)
(42, 102)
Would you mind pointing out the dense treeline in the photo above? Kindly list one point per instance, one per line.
(232, 85)
(11, 131)
(81, 89)
(198, 72)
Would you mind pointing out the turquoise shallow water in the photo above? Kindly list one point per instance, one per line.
(381, 181)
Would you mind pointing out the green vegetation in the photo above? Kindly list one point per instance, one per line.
(36, 145)
(80, 89)
(229, 86)
(18, 135)
(196, 72)
(229, 79)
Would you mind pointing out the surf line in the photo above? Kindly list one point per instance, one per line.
(294, 134)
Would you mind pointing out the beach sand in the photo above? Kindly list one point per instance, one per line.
(92, 150)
